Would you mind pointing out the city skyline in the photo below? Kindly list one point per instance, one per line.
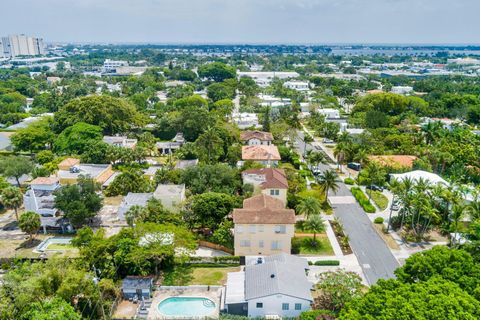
(247, 22)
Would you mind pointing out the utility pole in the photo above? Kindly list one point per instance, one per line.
(96, 280)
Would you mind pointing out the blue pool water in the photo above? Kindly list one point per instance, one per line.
(186, 307)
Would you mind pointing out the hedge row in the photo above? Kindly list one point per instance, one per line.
(349, 181)
(324, 263)
(363, 200)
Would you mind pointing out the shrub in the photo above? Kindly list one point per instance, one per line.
(349, 181)
(378, 220)
(362, 200)
(327, 263)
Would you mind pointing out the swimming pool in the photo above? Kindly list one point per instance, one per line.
(44, 246)
(186, 307)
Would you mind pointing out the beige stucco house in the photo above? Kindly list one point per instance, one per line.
(263, 227)
(253, 138)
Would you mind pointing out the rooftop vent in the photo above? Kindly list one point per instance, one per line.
(272, 276)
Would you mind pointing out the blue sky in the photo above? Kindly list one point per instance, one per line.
(245, 21)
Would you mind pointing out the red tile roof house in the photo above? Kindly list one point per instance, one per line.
(269, 181)
(263, 227)
(265, 155)
(253, 138)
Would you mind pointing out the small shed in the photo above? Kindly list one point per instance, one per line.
(137, 286)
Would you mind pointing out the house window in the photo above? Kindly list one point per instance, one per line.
(244, 243)
(239, 229)
(252, 228)
(260, 228)
(280, 229)
(274, 192)
(276, 245)
(260, 243)
(259, 305)
(285, 306)
(298, 306)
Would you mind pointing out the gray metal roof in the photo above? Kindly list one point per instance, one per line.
(289, 259)
(133, 199)
(277, 277)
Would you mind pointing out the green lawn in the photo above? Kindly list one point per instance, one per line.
(379, 198)
(304, 244)
(211, 276)
(189, 275)
(60, 246)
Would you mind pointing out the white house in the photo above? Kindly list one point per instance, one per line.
(274, 288)
(245, 120)
(40, 199)
(297, 85)
(171, 195)
(253, 138)
(329, 113)
(404, 90)
(264, 78)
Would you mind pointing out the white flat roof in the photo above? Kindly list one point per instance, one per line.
(235, 292)
(420, 174)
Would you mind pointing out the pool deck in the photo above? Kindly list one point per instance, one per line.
(213, 294)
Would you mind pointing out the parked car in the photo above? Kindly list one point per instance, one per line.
(395, 207)
(354, 166)
(374, 188)
(325, 140)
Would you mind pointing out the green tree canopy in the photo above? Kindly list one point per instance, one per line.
(217, 71)
(113, 115)
(77, 139)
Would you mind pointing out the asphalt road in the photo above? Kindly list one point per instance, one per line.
(375, 258)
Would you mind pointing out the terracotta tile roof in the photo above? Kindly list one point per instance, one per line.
(260, 135)
(44, 180)
(69, 162)
(274, 178)
(260, 153)
(394, 160)
(263, 209)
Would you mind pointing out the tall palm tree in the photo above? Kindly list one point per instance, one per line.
(315, 158)
(340, 152)
(329, 180)
(361, 156)
(209, 141)
(133, 214)
(315, 224)
(395, 188)
(309, 206)
(12, 198)
(306, 140)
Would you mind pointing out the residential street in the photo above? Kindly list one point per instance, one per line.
(373, 254)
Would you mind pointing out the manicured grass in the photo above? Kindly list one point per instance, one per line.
(211, 276)
(299, 228)
(60, 246)
(322, 248)
(379, 198)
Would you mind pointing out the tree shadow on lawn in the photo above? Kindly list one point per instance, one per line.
(28, 244)
(10, 226)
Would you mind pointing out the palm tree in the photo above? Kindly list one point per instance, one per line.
(328, 180)
(395, 187)
(361, 156)
(374, 174)
(315, 158)
(12, 198)
(133, 214)
(315, 224)
(210, 141)
(340, 152)
(309, 206)
(458, 210)
(306, 140)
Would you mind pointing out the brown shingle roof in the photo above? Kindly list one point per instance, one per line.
(260, 153)
(274, 178)
(394, 160)
(263, 209)
(260, 135)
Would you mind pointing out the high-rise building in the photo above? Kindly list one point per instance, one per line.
(21, 45)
